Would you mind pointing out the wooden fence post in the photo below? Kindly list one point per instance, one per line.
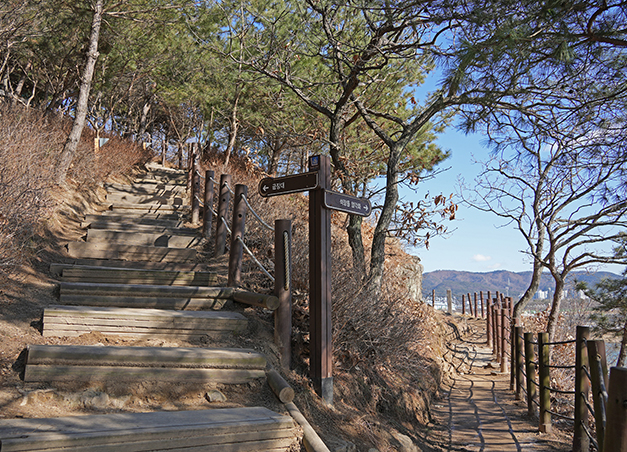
(598, 372)
(581, 442)
(283, 289)
(476, 316)
(544, 381)
(238, 226)
(463, 304)
(195, 195)
(518, 332)
(616, 428)
(497, 331)
(469, 304)
(223, 208)
(488, 320)
(433, 298)
(530, 369)
(482, 307)
(207, 215)
(504, 336)
(449, 301)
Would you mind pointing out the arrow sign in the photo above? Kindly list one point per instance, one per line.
(275, 186)
(346, 203)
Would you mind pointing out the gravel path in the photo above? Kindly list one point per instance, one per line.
(477, 410)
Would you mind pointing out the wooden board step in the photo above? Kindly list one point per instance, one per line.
(137, 276)
(142, 238)
(173, 220)
(146, 189)
(49, 363)
(148, 208)
(152, 198)
(144, 296)
(141, 228)
(156, 181)
(73, 321)
(57, 268)
(216, 430)
(85, 250)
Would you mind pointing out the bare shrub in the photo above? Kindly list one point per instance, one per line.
(28, 145)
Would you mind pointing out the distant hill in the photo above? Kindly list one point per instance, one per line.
(504, 281)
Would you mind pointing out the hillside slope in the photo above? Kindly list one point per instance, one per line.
(462, 282)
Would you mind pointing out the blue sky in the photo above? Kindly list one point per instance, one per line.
(479, 241)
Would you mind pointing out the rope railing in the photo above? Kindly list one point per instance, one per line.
(250, 253)
(590, 373)
(259, 219)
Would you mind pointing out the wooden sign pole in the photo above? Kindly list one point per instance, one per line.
(321, 350)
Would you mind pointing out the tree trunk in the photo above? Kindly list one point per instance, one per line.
(233, 126)
(535, 277)
(357, 245)
(556, 305)
(377, 253)
(622, 354)
(143, 121)
(83, 96)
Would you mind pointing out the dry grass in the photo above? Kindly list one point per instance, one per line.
(30, 143)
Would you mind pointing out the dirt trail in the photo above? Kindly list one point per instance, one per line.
(477, 407)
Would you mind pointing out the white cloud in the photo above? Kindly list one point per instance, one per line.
(481, 258)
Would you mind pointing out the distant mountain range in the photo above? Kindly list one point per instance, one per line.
(504, 281)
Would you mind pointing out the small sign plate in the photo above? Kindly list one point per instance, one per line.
(275, 186)
(346, 203)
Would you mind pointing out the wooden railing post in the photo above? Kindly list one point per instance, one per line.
(195, 195)
(449, 301)
(518, 332)
(463, 304)
(488, 320)
(504, 336)
(598, 372)
(207, 215)
(476, 316)
(497, 331)
(283, 289)
(223, 208)
(581, 442)
(238, 229)
(530, 370)
(469, 305)
(616, 427)
(482, 306)
(433, 298)
(544, 381)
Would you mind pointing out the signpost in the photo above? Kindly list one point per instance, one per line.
(321, 201)
(346, 203)
(275, 186)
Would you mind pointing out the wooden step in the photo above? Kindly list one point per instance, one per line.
(57, 268)
(147, 208)
(142, 238)
(153, 198)
(160, 182)
(173, 220)
(141, 228)
(85, 250)
(144, 296)
(136, 276)
(49, 363)
(222, 429)
(73, 321)
(147, 189)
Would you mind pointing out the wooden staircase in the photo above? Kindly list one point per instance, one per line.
(138, 275)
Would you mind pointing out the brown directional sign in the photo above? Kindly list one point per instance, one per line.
(275, 186)
(346, 203)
